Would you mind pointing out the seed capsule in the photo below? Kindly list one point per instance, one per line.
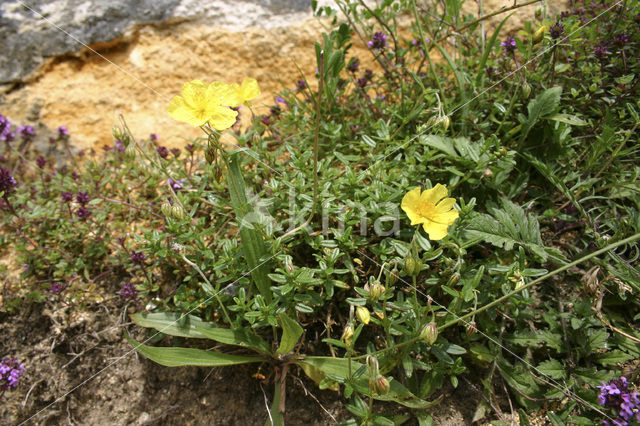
(429, 333)
(363, 315)
(412, 266)
(347, 335)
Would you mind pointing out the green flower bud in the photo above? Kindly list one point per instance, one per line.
(363, 315)
(454, 279)
(347, 335)
(429, 333)
(538, 13)
(526, 90)
(165, 208)
(445, 122)
(376, 291)
(539, 34)
(471, 328)
(392, 276)
(177, 212)
(130, 152)
(210, 156)
(379, 385)
(412, 266)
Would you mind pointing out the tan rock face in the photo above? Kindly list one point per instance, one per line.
(138, 76)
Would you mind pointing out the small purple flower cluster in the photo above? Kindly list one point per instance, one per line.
(137, 257)
(26, 132)
(364, 80)
(83, 199)
(5, 130)
(176, 184)
(509, 45)
(301, 84)
(617, 395)
(128, 291)
(378, 41)
(56, 288)
(556, 30)
(10, 373)
(163, 152)
(7, 182)
(354, 66)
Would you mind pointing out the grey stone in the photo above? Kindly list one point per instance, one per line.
(31, 31)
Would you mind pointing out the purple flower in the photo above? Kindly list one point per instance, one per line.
(7, 182)
(354, 65)
(5, 124)
(63, 131)
(176, 184)
(83, 213)
(266, 120)
(8, 136)
(190, 148)
(601, 52)
(378, 41)
(163, 152)
(509, 45)
(10, 373)
(368, 74)
(128, 291)
(120, 146)
(616, 395)
(41, 162)
(56, 288)
(153, 137)
(137, 257)
(280, 100)
(622, 39)
(362, 82)
(301, 84)
(82, 198)
(26, 132)
(66, 197)
(175, 152)
(556, 30)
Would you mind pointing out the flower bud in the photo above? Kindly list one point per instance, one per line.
(412, 266)
(429, 333)
(347, 335)
(372, 365)
(444, 122)
(392, 276)
(526, 90)
(539, 12)
(539, 34)
(363, 315)
(210, 156)
(165, 208)
(454, 279)
(379, 385)
(130, 152)
(471, 328)
(376, 291)
(288, 264)
(177, 212)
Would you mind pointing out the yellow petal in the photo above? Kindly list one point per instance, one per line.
(410, 203)
(249, 89)
(179, 110)
(225, 94)
(445, 218)
(433, 195)
(194, 93)
(445, 205)
(223, 118)
(436, 231)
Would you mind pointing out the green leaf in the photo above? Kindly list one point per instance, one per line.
(291, 332)
(552, 368)
(339, 367)
(613, 357)
(253, 247)
(178, 357)
(568, 119)
(508, 227)
(544, 104)
(173, 324)
(241, 337)
(488, 48)
(440, 142)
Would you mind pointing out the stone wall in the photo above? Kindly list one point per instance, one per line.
(148, 49)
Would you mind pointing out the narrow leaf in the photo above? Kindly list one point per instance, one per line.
(291, 332)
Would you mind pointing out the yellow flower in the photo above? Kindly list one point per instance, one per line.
(201, 103)
(245, 92)
(432, 209)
